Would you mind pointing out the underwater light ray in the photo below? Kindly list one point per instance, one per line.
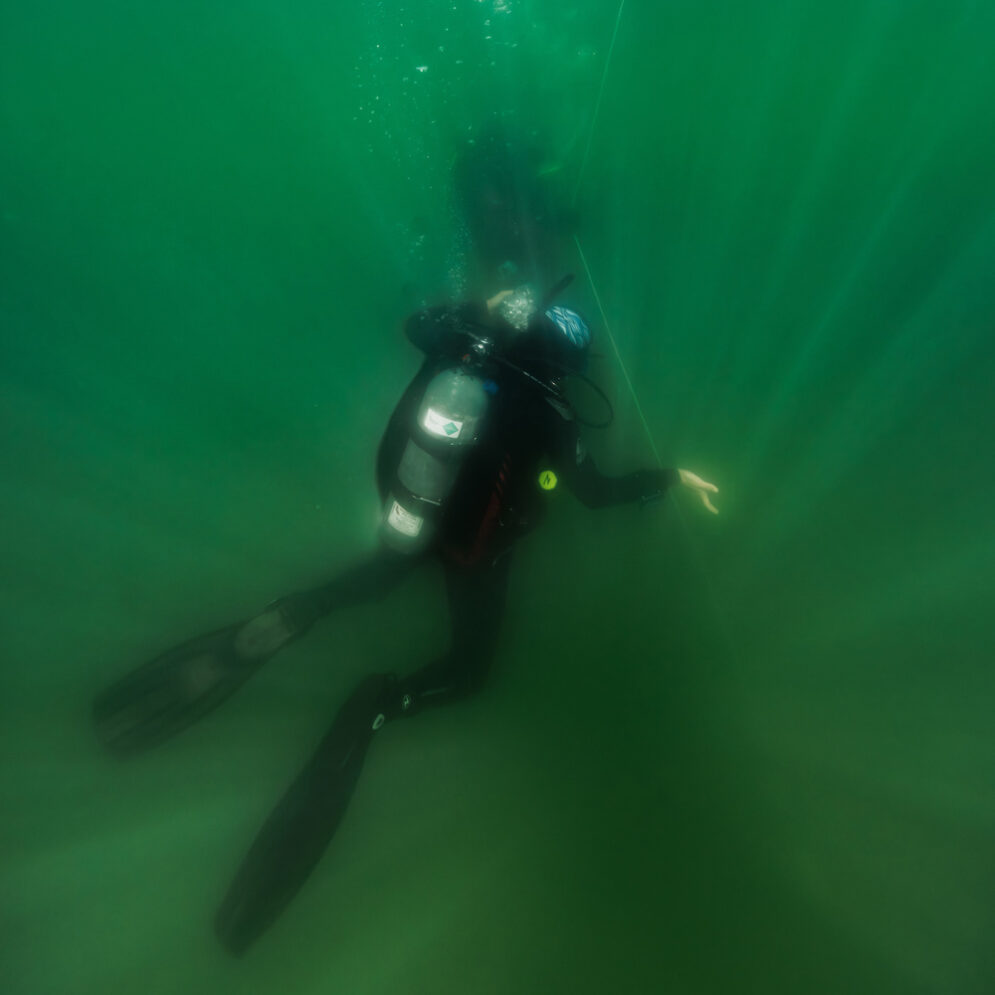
(824, 162)
(780, 407)
(776, 413)
(712, 601)
(940, 337)
(803, 209)
(711, 264)
(934, 577)
(752, 133)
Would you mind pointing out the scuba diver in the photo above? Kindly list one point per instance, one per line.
(481, 432)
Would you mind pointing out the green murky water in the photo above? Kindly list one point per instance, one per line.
(745, 754)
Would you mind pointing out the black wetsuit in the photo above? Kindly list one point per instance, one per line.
(495, 500)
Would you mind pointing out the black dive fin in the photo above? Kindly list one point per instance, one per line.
(170, 692)
(185, 683)
(294, 837)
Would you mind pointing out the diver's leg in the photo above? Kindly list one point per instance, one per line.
(370, 580)
(477, 598)
(187, 682)
(295, 835)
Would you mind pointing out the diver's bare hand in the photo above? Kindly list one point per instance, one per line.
(492, 302)
(701, 487)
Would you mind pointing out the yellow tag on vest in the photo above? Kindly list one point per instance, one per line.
(547, 480)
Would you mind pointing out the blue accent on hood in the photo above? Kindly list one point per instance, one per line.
(572, 325)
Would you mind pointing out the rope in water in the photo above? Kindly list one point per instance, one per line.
(597, 103)
(618, 355)
(710, 596)
(580, 251)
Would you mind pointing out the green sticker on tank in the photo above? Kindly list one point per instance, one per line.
(438, 424)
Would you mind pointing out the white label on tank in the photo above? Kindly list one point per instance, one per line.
(403, 521)
(442, 425)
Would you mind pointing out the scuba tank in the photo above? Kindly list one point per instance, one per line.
(453, 414)
(451, 417)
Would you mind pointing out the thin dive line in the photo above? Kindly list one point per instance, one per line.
(597, 104)
(618, 355)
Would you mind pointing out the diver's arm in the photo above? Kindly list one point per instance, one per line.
(597, 490)
(443, 330)
(492, 302)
